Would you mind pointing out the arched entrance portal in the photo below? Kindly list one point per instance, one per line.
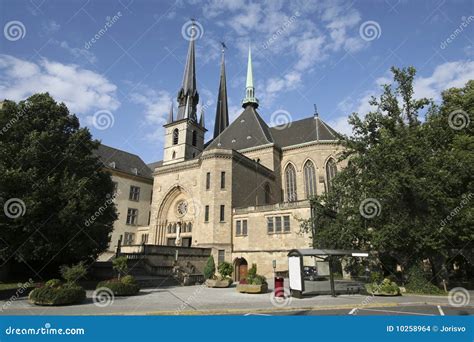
(240, 269)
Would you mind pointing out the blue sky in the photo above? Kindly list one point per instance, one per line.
(331, 53)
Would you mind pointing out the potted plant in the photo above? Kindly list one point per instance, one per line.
(123, 285)
(255, 283)
(224, 280)
(56, 292)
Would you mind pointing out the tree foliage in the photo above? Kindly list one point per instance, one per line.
(407, 188)
(46, 162)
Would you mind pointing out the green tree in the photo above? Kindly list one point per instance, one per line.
(55, 185)
(210, 268)
(404, 177)
(120, 265)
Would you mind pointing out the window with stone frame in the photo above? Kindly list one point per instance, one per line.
(132, 216)
(290, 175)
(134, 193)
(309, 179)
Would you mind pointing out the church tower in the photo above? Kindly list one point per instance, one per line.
(250, 99)
(184, 136)
(222, 110)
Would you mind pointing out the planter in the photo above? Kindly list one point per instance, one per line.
(247, 288)
(57, 296)
(120, 288)
(218, 283)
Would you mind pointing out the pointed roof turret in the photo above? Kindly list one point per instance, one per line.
(222, 110)
(188, 88)
(201, 119)
(170, 114)
(250, 98)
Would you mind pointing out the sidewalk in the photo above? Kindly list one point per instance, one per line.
(197, 299)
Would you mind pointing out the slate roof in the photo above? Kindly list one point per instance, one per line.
(302, 131)
(247, 130)
(250, 130)
(154, 165)
(124, 161)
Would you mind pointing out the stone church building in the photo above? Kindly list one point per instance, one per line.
(243, 192)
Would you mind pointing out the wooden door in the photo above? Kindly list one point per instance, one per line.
(242, 271)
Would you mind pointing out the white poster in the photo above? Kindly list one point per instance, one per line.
(295, 273)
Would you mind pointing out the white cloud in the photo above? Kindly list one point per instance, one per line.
(157, 104)
(78, 53)
(445, 76)
(80, 89)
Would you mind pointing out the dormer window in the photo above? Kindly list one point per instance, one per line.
(134, 170)
(112, 165)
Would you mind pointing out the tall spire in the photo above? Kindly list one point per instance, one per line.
(188, 96)
(250, 98)
(222, 110)
(201, 119)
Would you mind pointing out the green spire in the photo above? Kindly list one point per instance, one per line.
(249, 83)
(250, 98)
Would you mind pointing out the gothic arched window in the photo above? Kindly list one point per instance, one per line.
(194, 138)
(309, 179)
(290, 175)
(174, 228)
(169, 228)
(190, 227)
(268, 194)
(331, 170)
(175, 136)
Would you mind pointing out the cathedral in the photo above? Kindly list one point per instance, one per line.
(244, 192)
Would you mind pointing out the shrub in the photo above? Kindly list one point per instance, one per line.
(62, 295)
(120, 265)
(417, 282)
(129, 279)
(210, 268)
(385, 288)
(119, 288)
(253, 278)
(53, 283)
(73, 273)
(225, 269)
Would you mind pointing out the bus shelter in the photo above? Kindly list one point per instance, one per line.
(298, 273)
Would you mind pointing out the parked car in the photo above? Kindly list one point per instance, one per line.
(310, 273)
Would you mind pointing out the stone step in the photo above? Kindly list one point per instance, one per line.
(153, 282)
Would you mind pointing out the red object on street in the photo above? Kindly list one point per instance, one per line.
(279, 287)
